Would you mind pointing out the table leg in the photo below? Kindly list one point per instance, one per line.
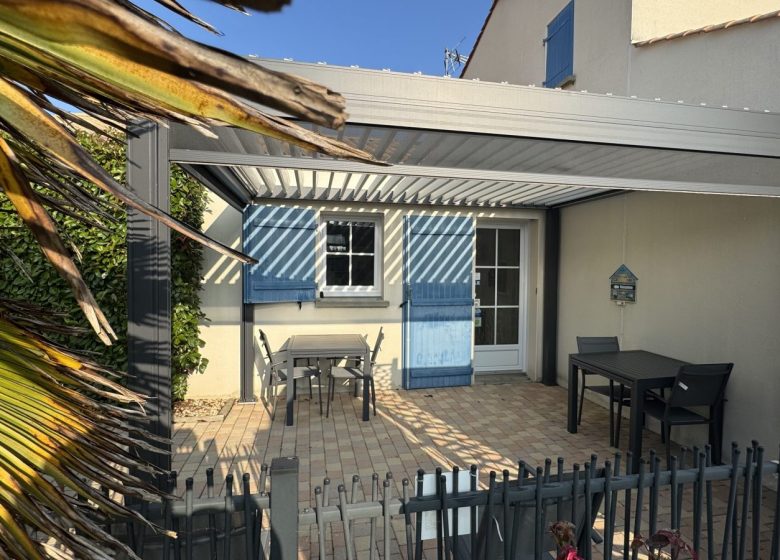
(611, 413)
(290, 390)
(716, 433)
(571, 419)
(366, 385)
(635, 431)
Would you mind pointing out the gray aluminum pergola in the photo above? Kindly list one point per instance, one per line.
(451, 143)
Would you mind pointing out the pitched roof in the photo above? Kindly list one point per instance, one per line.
(708, 28)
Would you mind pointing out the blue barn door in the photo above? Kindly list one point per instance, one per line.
(438, 300)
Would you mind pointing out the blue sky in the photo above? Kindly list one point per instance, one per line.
(403, 35)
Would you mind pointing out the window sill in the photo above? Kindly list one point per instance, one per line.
(360, 302)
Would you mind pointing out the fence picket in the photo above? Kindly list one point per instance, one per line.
(513, 516)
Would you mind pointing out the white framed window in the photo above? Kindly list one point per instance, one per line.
(350, 251)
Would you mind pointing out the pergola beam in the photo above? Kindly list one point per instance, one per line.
(207, 157)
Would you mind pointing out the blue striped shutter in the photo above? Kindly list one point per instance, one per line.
(560, 47)
(283, 240)
(438, 301)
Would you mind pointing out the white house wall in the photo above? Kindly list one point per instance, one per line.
(707, 291)
(656, 18)
(728, 67)
(222, 298)
(725, 67)
(511, 48)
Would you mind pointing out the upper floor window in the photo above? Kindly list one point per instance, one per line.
(351, 250)
(560, 48)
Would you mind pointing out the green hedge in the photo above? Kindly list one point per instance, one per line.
(103, 262)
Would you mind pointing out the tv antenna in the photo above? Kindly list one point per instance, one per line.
(453, 60)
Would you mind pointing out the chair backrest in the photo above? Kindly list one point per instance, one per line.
(597, 344)
(377, 345)
(266, 346)
(700, 384)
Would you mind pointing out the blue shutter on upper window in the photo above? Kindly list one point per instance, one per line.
(560, 47)
(283, 240)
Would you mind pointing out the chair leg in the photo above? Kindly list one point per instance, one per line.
(582, 400)
(295, 389)
(330, 396)
(617, 422)
(311, 394)
(273, 398)
(373, 394)
(663, 432)
(319, 391)
(668, 430)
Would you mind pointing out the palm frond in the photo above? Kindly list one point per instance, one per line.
(62, 423)
(65, 422)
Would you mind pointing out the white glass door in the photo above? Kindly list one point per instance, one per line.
(499, 316)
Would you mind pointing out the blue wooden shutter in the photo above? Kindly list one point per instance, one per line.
(560, 47)
(438, 288)
(440, 260)
(283, 240)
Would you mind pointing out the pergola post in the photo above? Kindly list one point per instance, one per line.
(552, 252)
(149, 281)
(247, 386)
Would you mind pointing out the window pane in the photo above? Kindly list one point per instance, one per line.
(509, 247)
(337, 270)
(483, 335)
(486, 247)
(362, 237)
(486, 291)
(507, 326)
(362, 271)
(338, 237)
(508, 286)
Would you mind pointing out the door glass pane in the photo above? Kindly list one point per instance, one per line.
(509, 247)
(483, 335)
(362, 237)
(507, 326)
(338, 237)
(508, 286)
(486, 247)
(362, 270)
(486, 291)
(337, 270)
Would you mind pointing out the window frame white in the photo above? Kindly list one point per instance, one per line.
(373, 291)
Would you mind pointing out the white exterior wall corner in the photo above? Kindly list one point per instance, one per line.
(511, 46)
(707, 291)
(221, 302)
(221, 297)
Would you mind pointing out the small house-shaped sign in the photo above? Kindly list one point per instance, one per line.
(622, 285)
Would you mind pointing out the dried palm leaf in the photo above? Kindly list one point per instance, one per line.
(60, 418)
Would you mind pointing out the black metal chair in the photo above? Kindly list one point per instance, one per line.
(355, 373)
(277, 362)
(696, 385)
(621, 396)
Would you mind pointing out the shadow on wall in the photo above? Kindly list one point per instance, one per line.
(225, 227)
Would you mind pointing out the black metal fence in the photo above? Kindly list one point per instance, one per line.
(722, 511)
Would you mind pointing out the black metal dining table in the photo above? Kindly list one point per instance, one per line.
(638, 370)
(326, 346)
